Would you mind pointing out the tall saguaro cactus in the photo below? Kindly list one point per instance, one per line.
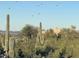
(39, 40)
(41, 35)
(40, 32)
(7, 35)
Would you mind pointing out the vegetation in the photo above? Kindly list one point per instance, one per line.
(67, 46)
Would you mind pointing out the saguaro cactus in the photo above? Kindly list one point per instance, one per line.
(39, 40)
(12, 47)
(40, 32)
(7, 36)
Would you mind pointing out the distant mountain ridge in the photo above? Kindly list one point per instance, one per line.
(11, 32)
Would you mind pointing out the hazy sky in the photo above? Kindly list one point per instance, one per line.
(51, 14)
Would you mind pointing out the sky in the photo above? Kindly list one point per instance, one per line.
(50, 13)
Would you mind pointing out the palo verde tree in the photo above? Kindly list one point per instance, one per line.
(29, 31)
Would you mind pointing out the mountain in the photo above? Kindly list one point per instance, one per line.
(15, 33)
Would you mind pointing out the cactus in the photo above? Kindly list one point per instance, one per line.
(7, 37)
